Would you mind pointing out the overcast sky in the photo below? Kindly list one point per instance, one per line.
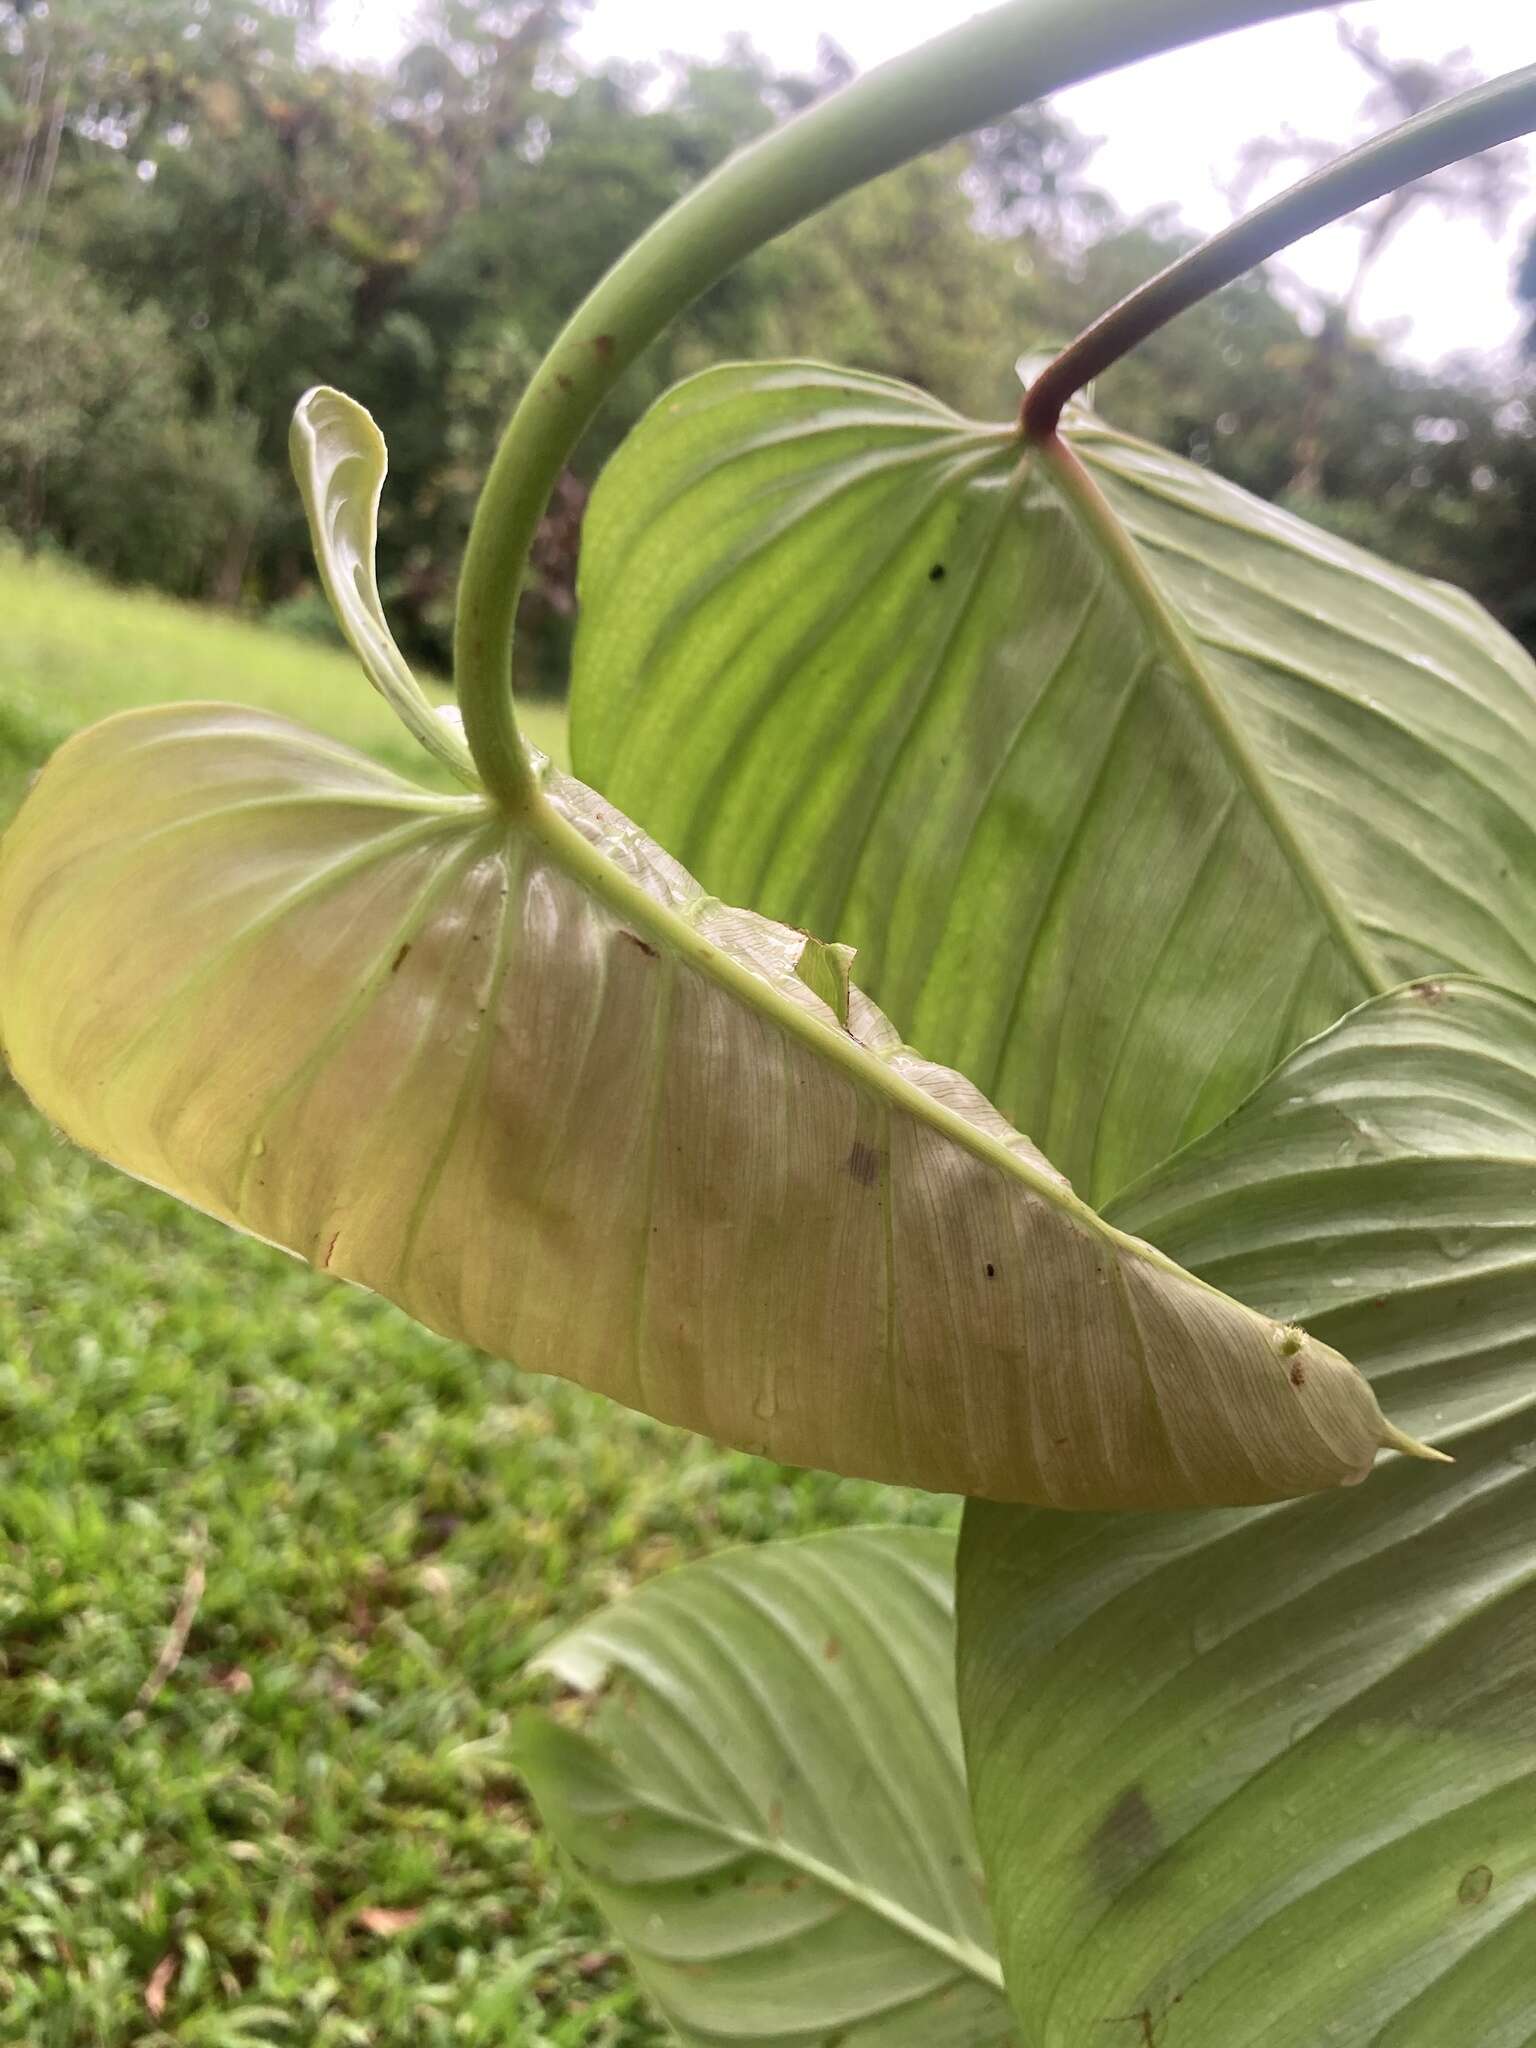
(1171, 128)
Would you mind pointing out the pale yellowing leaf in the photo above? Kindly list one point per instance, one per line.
(339, 460)
(519, 1073)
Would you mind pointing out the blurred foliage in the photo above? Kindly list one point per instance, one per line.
(101, 448)
(201, 214)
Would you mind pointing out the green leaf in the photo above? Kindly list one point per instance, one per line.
(516, 1071)
(764, 1791)
(1270, 1778)
(339, 460)
(1122, 782)
(826, 970)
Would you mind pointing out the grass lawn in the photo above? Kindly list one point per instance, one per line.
(305, 1831)
(72, 651)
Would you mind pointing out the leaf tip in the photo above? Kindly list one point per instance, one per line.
(1397, 1440)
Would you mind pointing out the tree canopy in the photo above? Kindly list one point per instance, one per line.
(202, 213)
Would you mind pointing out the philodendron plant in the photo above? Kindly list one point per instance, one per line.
(1176, 833)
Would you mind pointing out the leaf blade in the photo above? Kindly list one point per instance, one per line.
(1297, 1736)
(523, 1077)
(339, 462)
(785, 1714)
(516, 1071)
(1110, 862)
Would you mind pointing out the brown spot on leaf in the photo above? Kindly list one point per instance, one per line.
(991, 1270)
(602, 347)
(1298, 1374)
(1125, 1842)
(776, 1817)
(1430, 991)
(566, 383)
(1475, 1886)
(394, 965)
(635, 939)
(330, 1250)
(831, 1649)
(864, 1164)
(936, 573)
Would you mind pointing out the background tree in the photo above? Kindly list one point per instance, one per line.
(1483, 187)
(201, 213)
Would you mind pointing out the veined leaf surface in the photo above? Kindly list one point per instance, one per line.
(339, 461)
(517, 1072)
(1122, 782)
(1268, 1780)
(765, 1793)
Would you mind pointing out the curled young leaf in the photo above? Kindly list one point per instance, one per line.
(519, 1073)
(339, 461)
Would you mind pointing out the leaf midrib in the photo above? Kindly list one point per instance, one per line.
(1096, 521)
(965, 1955)
(590, 868)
